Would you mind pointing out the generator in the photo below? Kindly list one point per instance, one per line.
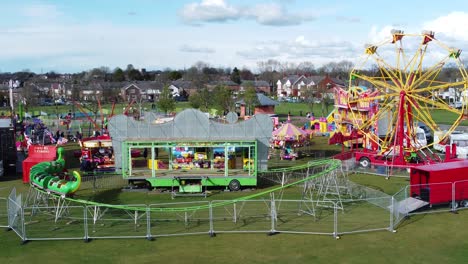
(7, 145)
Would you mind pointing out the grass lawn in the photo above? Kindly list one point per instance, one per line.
(436, 238)
(431, 238)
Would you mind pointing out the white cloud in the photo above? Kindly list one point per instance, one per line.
(209, 11)
(271, 14)
(194, 49)
(276, 15)
(453, 25)
(301, 49)
(450, 31)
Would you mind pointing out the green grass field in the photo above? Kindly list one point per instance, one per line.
(430, 238)
(436, 238)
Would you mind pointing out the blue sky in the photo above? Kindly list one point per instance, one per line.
(71, 36)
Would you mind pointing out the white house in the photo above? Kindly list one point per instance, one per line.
(295, 85)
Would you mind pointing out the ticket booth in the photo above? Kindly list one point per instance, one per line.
(36, 154)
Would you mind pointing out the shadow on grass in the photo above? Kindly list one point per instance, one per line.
(411, 219)
(110, 196)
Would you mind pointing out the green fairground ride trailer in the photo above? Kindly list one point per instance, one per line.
(192, 152)
(192, 165)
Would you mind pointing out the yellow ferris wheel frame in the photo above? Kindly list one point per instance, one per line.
(409, 87)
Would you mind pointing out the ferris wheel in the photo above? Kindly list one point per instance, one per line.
(409, 74)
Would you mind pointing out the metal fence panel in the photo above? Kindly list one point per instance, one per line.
(4, 206)
(185, 218)
(52, 222)
(460, 194)
(15, 214)
(361, 192)
(94, 181)
(381, 170)
(362, 216)
(107, 222)
(243, 216)
(305, 216)
(400, 210)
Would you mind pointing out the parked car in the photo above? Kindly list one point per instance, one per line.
(457, 105)
(427, 131)
(46, 102)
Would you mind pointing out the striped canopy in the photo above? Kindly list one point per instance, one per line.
(289, 131)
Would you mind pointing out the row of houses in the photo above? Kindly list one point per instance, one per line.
(291, 86)
(297, 85)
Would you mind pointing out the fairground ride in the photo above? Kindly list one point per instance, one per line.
(96, 150)
(406, 71)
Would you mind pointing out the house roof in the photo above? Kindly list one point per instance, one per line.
(338, 81)
(263, 100)
(224, 83)
(259, 83)
(316, 79)
(182, 84)
(146, 85)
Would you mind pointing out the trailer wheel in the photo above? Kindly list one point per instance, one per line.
(364, 162)
(464, 203)
(234, 185)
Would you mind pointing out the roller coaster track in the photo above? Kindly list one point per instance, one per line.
(330, 165)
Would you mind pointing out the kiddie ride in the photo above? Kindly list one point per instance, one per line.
(406, 92)
(96, 154)
(52, 177)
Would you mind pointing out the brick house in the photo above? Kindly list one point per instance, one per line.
(265, 105)
(260, 86)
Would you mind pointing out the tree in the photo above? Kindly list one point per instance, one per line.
(166, 102)
(309, 97)
(118, 75)
(235, 76)
(175, 75)
(145, 75)
(109, 94)
(134, 75)
(306, 68)
(129, 68)
(250, 99)
(201, 100)
(246, 74)
(196, 76)
(222, 100)
(98, 73)
(75, 92)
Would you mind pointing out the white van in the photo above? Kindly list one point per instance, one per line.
(458, 138)
(420, 137)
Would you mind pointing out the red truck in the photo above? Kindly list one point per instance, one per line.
(441, 183)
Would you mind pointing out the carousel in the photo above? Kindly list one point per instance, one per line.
(288, 137)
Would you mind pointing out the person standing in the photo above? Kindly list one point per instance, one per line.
(145, 153)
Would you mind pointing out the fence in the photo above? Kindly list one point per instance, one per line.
(354, 209)
(96, 181)
(269, 216)
(352, 166)
(3, 207)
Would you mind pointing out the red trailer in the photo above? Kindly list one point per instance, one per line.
(437, 183)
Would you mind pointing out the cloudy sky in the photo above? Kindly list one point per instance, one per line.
(70, 36)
